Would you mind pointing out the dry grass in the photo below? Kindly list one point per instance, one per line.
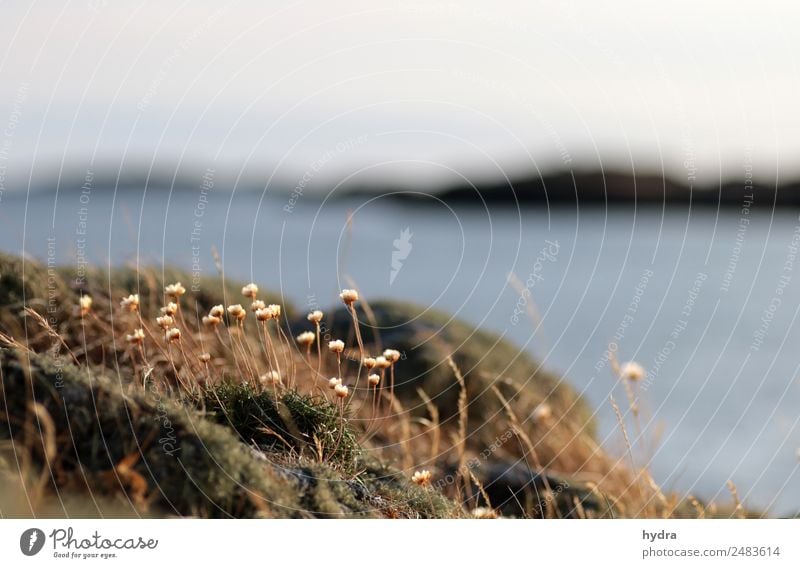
(519, 453)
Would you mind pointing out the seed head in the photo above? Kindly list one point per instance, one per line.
(175, 290)
(237, 312)
(211, 321)
(306, 338)
(392, 355)
(205, 357)
(315, 316)
(131, 303)
(170, 309)
(217, 311)
(263, 314)
(136, 337)
(85, 303)
(333, 382)
(632, 371)
(373, 380)
(165, 322)
(369, 362)
(250, 291)
(341, 391)
(173, 334)
(541, 413)
(382, 362)
(421, 478)
(336, 346)
(270, 378)
(276, 310)
(257, 305)
(349, 296)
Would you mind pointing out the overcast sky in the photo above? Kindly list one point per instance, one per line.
(426, 89)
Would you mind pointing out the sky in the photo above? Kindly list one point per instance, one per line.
(417, 92)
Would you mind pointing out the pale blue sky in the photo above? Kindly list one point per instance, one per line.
(427, 89)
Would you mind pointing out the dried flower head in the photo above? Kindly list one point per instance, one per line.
(263, 314)
(165, 322)
(175, 290)
(541, 413)
(336, 346)
(250, 291)
(391, 355)
(131, 303)
(421, 478)
(85, 303)
(382, 362)
(257, 305)
(333, 382)
(136, 337)
(369, 362)
(484, 513)
(306, 338)
(373, 380)
(170, 309)
(632, 371)
(237, 312)
(173, 334)
(205, 357)
(341, 391)
(349, 296)
(276, 310)
(315, 316)
(270, 378)
(211, 321)
(217, 311)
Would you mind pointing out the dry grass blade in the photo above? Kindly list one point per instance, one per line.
(461, 439)
(43, 323)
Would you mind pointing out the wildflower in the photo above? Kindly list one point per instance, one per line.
(334, 382)
(257, 305)
(85, 303)
(306, 338)
(341, 390)
(484, 513)
(369, 362)
(263, 314)
(211, 321)
(541, 413)
(391, 355)
(315, 316)
(421, 478)
(349, 296)
(205, 357)
(170, 309)
(173, 334)
(136, 337)
(373, 380)
(336, 346)
(270, 378)
(131, 303)
(632, 371)
(217, 311)
(175, 290)
(276, 310)
(250, 291)
(382, 362)
(237, 312)
(165, 322)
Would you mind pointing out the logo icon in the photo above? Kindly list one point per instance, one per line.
(402, 248)
(31, 542)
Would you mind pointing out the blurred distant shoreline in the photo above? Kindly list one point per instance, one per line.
(553, 188)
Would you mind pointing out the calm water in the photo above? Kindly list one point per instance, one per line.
(706, 304)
